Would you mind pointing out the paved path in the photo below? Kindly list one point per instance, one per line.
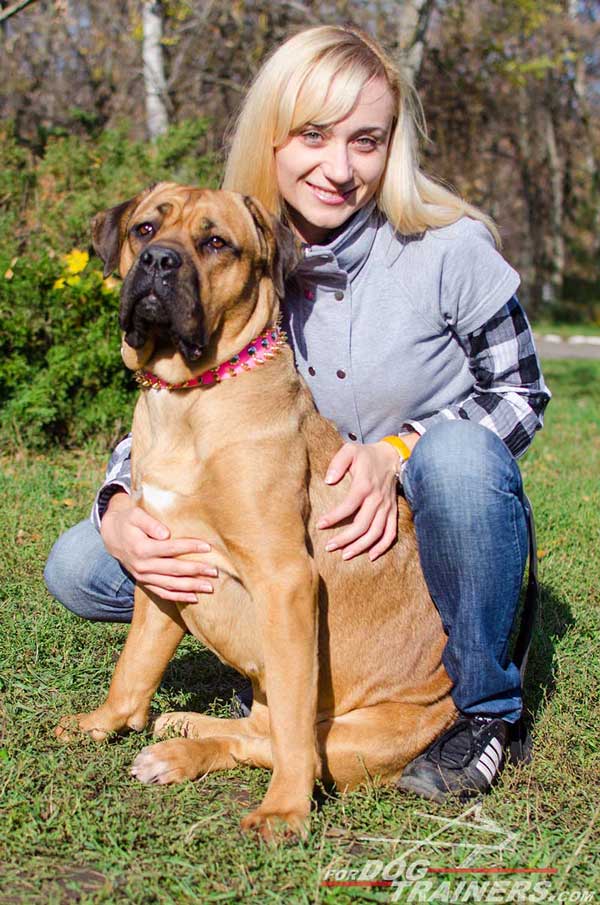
(550, 345)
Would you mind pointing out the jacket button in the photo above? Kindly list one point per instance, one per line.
(338, 295)
(341, 374)
(312, 371)
(352, 436)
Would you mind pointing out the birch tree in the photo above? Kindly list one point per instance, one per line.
(413, 17)
(155, 85)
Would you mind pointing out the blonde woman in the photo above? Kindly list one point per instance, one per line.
(404, 322)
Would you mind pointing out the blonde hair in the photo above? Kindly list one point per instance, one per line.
(292, 89)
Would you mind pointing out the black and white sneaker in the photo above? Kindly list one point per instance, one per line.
(463, 761)
(242, 702)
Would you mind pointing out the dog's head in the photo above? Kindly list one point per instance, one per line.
(200, 268)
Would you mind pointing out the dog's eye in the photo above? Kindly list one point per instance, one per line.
(215, 243)
(144, 229)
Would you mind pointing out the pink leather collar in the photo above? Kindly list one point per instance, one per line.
(260, 350)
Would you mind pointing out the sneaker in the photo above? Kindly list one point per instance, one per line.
(463, 761)
(242, 702)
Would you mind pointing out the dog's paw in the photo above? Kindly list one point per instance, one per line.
(99, 724)
(275, 827)
(175, 723)
(165, 762)
(72, 728)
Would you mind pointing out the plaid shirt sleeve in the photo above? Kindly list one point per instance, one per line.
(509, 394)
(118, 478)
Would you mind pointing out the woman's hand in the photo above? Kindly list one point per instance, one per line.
(144, 546)
(371, 499)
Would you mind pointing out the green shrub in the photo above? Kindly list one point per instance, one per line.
(61, 375)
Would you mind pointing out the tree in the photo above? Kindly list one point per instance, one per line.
(7, 12)
(155, 85)
(413, 17)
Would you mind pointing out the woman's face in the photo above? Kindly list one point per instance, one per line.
(326, 175)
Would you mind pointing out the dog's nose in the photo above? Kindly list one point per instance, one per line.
(160, 258)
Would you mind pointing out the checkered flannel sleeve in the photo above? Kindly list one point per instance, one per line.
(118, 477)
(509, 394)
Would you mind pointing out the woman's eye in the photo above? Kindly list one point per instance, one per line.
(144, 229)
(312, 136)
(365, 142)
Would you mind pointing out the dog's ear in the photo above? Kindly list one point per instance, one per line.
(282, 251)
(108, 232)
(288, 254)
(109, 229)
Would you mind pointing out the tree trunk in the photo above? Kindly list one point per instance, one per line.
(7, 12)
(553, 285)
(592, 159)
(413, 22)
(533, 256)
(157, 119)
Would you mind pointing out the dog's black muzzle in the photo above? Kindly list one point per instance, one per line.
(160, 259)
(160, 295)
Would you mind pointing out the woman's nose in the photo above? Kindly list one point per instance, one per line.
(336, 164)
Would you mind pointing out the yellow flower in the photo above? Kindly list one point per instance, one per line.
(109, 285)
(73, 281)
(76, 261)
(59, 283)
(9, 274)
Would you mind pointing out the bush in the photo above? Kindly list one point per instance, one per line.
(61, 375)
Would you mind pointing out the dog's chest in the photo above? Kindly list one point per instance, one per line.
(158, 499)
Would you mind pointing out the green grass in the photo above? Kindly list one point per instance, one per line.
(74, 827)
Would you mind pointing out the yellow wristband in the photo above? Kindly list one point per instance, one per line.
(400, 446)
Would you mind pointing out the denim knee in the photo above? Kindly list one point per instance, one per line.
(455, 455)
(82, 576)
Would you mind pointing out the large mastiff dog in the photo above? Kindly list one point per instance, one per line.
(344, 657)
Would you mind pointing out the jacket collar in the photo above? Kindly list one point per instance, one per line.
(348, 251)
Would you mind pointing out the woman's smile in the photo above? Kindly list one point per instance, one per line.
(330, 196)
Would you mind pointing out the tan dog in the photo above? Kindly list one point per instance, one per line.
(344, 657)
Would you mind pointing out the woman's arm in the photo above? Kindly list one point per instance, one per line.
(509, 394)
(116, 480)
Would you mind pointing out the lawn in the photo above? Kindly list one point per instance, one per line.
(76, 828)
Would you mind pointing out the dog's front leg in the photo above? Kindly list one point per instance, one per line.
(287, 606)
(155, 633)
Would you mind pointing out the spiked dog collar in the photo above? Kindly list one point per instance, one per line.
(260, 350)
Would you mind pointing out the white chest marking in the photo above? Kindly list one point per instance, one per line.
(158, 498)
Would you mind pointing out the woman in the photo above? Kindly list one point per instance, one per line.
(404, 322)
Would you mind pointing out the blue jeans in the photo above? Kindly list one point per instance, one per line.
(466, 495)
(88, 580)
